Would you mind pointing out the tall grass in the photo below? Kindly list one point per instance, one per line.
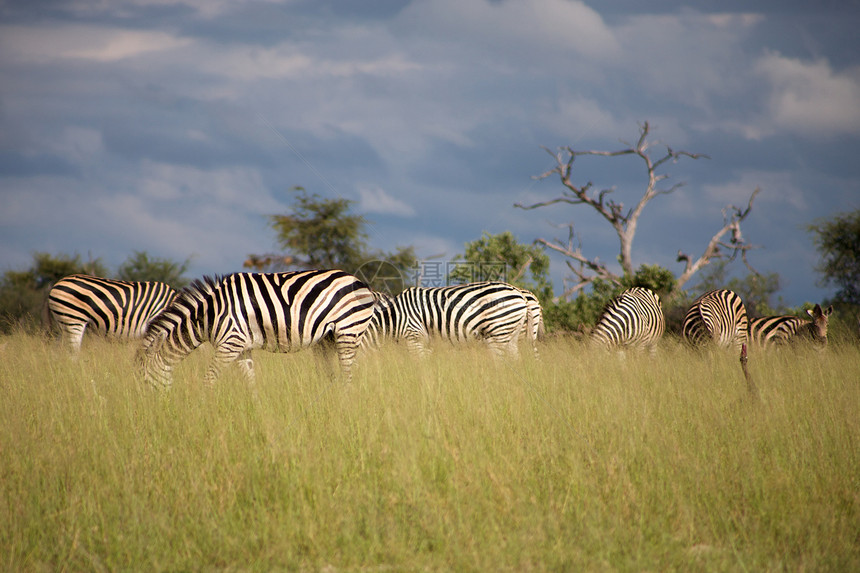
(581, 461)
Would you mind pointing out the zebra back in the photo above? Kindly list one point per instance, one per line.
(493, 312)
(632, 319)
(718, 316)
(770, 330)
(278, 312)
(121, 309)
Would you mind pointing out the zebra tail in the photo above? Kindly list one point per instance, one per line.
(48, 323)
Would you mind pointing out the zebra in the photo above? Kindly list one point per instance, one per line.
(533, 327)
(120, 309)
(278, 312)
(493, 312)
(633, 319)
(770, 330)
(718, 315)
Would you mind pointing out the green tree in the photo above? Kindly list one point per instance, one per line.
(23, 293)
(501, 257)
(141, 267)
(321, 233)
(654, 277)
(838, 242)
(318, 233)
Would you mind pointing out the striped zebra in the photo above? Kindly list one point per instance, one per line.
(772, 330)
(634, 319)
(492, 312)
(120, 309)
(718, 316)
(533, 327)
(278, 312)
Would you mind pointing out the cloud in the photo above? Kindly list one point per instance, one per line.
(82, 42)
(810, 97)
(78, 145)
(374, 199)
(230, 187)
(579, 115)
(777, 189)
(207, 9)
(548, 25)
(285, 60)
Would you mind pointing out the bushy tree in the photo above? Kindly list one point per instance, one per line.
(502, 257)
(23, 293)
(838, 242)
(141, 267)
(317, 233)
(320, 233)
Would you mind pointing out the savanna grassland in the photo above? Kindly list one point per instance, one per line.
(579, 461)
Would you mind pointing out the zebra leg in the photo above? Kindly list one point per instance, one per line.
(225, 352)
(246, 364)
(346, 345)
(416, 343)
(72, 336)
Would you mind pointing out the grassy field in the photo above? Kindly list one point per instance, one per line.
(581, 461)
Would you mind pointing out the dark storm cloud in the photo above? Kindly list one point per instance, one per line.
(177, 127)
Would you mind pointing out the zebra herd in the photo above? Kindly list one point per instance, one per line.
(285, 312)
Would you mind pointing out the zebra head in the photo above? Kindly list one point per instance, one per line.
(818, 326)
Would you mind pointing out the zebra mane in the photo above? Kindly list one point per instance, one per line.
(189, 297)
(199, 289)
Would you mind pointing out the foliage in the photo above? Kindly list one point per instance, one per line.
(756, 290)
(654, 277)
(317, 233)
(141, 268)
(501, 257)
(23, 293)
(838, 242)
(581, 313)
(320, 233)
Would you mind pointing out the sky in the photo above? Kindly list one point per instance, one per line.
(177, 127)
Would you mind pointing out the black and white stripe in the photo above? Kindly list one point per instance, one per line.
(278, 312)
(717, 316)
(773, 330)
(492, 312)
(120, 309)
(634, 319)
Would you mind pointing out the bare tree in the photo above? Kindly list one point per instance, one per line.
(624, 222)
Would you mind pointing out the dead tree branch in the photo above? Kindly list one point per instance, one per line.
(717, 247)
(625, 221)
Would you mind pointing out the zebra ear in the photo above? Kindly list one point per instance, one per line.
(811, 313)
(829, 310)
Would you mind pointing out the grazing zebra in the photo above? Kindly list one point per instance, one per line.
(278, 312)
(770, 330)
(493, 312)
(533, 327)
(633, 319)
(120, 309)
(718, 316)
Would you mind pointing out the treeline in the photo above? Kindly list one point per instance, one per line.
(23, 293)
(320, 233)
